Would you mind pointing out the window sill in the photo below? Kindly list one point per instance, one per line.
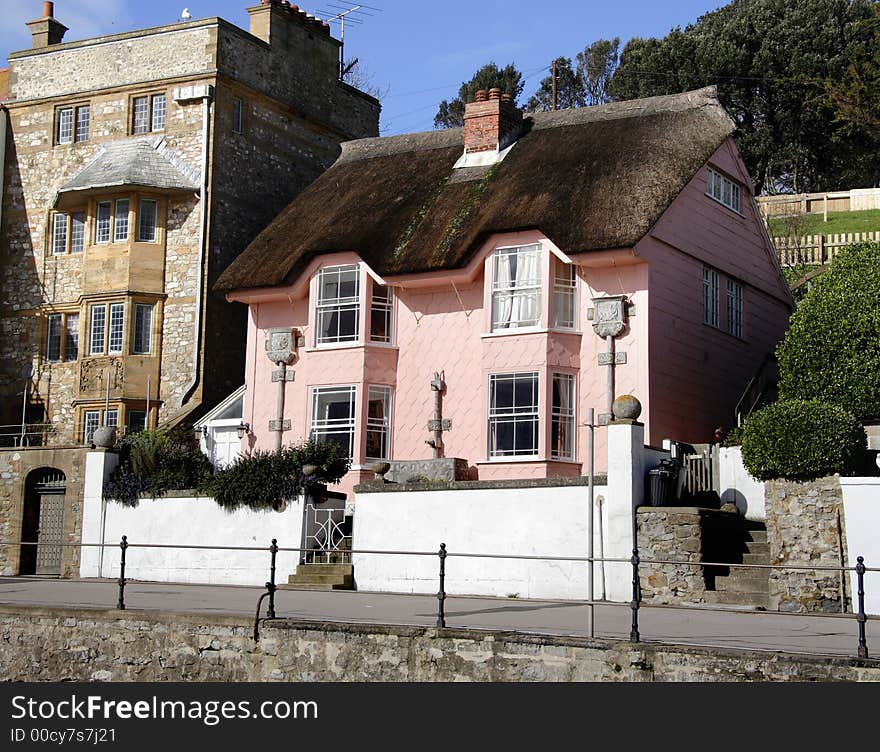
(510, 460)
(516, 332)
(350, 346)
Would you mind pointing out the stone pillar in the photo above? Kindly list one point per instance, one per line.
(100, 463)
(626, 491)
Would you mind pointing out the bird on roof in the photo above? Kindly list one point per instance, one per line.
(185, 15)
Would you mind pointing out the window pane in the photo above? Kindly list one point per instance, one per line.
(96, 341)
(53, 338)
(513, 415)
(564, 286)
(237, 116)
(102, 225)
(91, 419)
(120, 226)
(117, 314)
(111, 418)
(83, 115)
(734, 308)
(378, 422)
(71, 344)
(59, 233)
(562, 427)
(137, 420)
(516, 287)
(65, 125)
(710, 297)
(158, 123)
(77, 232)
(338, 307)
(380, 314)
(143, 328)
(140, 115)
(333, 416)
(147, 221)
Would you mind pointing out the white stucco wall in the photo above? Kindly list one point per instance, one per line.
(522, 521)
(738, 487)
(861, 518)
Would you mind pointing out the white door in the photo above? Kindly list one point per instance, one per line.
(225, 445)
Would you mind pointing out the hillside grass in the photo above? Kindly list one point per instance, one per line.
(838, 223)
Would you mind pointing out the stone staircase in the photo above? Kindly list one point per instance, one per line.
(748, 588)
(321, 577)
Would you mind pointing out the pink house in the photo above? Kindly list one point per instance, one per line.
(502, 255)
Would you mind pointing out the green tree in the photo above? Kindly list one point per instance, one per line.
(569, 89)
(580, 85)
(490, 76)
(772, 61)
(832, 349)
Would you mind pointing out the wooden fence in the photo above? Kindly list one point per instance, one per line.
(814, 250)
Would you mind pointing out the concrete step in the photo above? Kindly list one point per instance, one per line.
(340, 569)
(740, 584)
(308, 586)
(758, 536)
(345, 580)
(757, 558)
(746, 600)
(758, 548)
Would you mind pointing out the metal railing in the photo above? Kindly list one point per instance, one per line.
(635, 561)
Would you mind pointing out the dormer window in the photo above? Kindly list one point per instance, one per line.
(516, 287)
(337, 312)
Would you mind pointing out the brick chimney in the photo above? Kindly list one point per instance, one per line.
(46, 31)
(492, 123)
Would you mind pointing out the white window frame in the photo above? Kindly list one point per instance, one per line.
(60, 233)
(158, 112)
(329, 306)
(91, 423)
(64, 125)
(82, 124)
(97, 329)
(103, 234)
(563, 415)
(383, 309)
(510, 296)
(116, 329)
(564, 292)
(77, 232)
(734, 308)
(320, 427)
(146, 345)
(382, 425)
(149, 113)
(55, 321)
(120, 220)
(722, 189)
(515, 415)
(711, 290)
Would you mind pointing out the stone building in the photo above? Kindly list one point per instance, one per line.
(137, 167)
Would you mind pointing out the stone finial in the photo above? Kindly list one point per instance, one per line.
(104, 437)
(626, 407)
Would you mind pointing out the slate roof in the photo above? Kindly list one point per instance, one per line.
(590, 179)
(134, 162)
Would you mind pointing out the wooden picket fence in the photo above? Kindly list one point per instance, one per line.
(813, 250)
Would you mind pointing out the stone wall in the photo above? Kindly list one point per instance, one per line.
(38, 644)
(802, 527)
(684, 534)
(15, 466)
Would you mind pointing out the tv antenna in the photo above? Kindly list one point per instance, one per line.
(353, 14)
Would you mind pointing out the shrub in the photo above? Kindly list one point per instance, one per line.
(832, 350)
(155, 462)
(802, 440)
(734, 437)
(266, 479)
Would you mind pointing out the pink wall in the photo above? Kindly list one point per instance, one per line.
(697, 372)
(688, 376)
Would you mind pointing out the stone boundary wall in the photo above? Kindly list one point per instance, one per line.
(802, 527)
(683, 534)
(39, 644)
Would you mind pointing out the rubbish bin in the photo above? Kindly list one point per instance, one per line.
(663, 481)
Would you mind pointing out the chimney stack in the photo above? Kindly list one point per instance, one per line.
(46, 31)
(491, 123)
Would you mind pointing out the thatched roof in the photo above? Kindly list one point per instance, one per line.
(589, 179)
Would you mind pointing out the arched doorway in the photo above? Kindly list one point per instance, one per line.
(43, 522)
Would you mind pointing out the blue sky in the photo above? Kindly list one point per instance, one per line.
(419, 52)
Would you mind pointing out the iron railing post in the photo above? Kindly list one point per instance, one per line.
(441, 594)
(636, 597)
(123, 545)
(270, 586)
(861, 617)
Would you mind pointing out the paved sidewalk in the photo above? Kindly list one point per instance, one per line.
(730, 629)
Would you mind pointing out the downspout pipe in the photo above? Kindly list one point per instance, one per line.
(203, 239)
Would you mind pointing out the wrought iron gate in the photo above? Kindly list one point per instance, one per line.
(326, 534)
(50, 490)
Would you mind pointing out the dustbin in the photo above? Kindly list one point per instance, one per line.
(662, 482)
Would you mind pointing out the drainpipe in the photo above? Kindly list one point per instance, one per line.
(203, 220)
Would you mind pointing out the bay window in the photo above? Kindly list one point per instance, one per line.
(337, 310)
(562, 417)
(564, 289)
(378, 423)
(381, 309)
(333, 416)
(106, 330)
(516, 287)
(142, 341)
(513, 415)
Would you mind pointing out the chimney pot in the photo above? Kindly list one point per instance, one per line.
(506, 98)
(494, 93)
(482, 95)
(48, 9)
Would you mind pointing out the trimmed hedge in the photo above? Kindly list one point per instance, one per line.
(266, 479)
(832, 350)
(802, 440)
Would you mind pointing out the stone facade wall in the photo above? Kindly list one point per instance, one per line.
(15, 466)
(802, 528)
(682, 534)
(39, 644)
